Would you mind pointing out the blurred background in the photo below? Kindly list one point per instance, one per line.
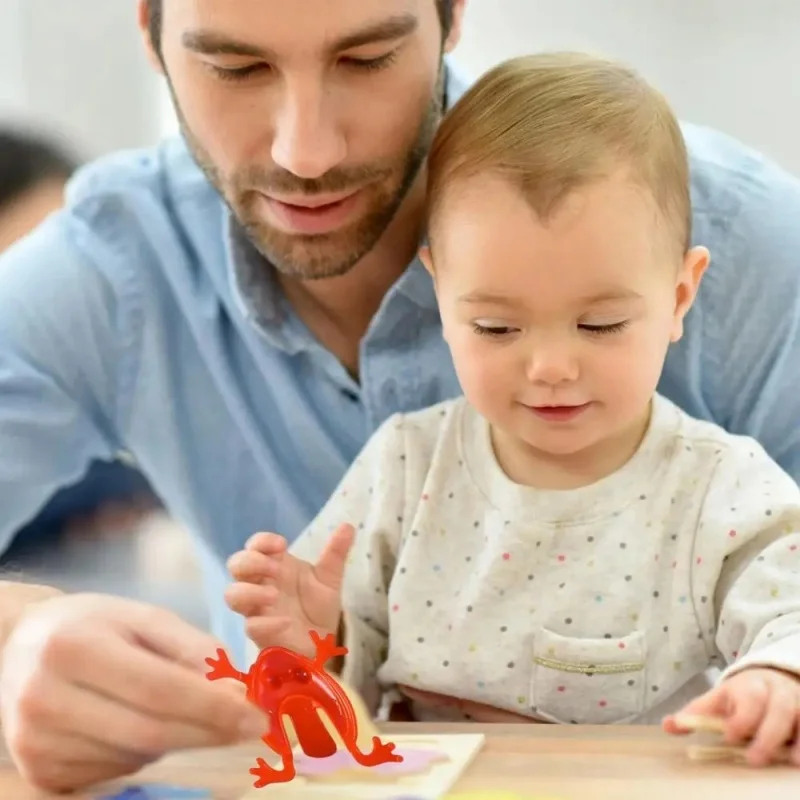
(76, 73)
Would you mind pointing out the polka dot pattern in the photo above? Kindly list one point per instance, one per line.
(463, 586)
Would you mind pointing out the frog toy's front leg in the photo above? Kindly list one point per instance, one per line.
(221, 667)
(326, 649)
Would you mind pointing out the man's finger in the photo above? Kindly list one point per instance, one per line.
(89, 715)
(167, 635)
(56, 770)
(35, 742)
(330, 568)
(152, 685)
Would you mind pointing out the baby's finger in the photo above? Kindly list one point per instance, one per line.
(777, 726)
(250, 599)
(330, 567)
(264, 631)
(795, 751)
(270, 544)
(750, 700)
(252, 567)
(715, 704)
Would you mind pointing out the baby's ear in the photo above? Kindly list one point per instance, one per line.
(425, 258)
(695, 264)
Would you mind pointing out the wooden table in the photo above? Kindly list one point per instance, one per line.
(558, 762)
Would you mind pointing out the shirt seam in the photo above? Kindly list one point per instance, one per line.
(708, 639)
(401, 422)
(129, 315)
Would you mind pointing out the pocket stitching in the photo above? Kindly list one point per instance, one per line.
(612, 664)
(589, 669)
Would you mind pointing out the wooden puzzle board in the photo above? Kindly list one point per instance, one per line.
(458, 751)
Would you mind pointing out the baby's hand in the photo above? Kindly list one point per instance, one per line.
(282, 597)
(760, 706)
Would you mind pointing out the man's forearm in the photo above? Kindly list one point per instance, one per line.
(15, 599)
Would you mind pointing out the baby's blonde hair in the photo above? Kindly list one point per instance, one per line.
(556, 122)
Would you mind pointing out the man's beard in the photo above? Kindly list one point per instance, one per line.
(327, 255)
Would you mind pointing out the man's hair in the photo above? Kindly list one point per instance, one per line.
(444, 7)
(27, 160)
(553, 123)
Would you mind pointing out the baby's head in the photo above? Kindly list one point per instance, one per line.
(559, 232)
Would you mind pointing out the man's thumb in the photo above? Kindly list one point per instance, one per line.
(333, 559)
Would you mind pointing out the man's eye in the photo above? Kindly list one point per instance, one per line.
(236, 73)
(370, 64)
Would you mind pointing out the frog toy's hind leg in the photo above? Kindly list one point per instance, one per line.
(381, 753)
(277, 741)
(265, 774)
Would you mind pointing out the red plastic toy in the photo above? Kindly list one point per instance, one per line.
(284, 683)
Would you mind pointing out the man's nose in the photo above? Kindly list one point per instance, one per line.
(307, 142)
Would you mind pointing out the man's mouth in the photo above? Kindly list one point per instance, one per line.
(311, 214)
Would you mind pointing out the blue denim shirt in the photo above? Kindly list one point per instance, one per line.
(139, 320)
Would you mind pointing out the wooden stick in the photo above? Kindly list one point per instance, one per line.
(698, 724)
(726, 752)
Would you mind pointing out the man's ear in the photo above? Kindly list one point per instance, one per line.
(426, 259)
(150, 47)
(695, 263)
(456, 26)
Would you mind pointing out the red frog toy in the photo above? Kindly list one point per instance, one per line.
(284, 683)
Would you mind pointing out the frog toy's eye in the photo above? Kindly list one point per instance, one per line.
(275, 682)
(301, 675)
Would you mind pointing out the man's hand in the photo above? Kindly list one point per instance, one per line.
(282, 597)
(93, 688)
(759, 706)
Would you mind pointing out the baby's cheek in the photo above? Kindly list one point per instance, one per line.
(626, 379)
(486, 383)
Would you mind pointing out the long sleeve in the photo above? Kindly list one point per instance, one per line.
(751, 317)
(749, 530)
(371, 497)
(62, 325)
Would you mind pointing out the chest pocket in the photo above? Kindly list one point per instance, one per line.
(588, 681)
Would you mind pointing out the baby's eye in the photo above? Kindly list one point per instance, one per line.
(495, 331)
(613, 327)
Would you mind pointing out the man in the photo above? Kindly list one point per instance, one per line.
(33, 172)
(243, 349)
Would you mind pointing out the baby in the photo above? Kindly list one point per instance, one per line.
(561, 542)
